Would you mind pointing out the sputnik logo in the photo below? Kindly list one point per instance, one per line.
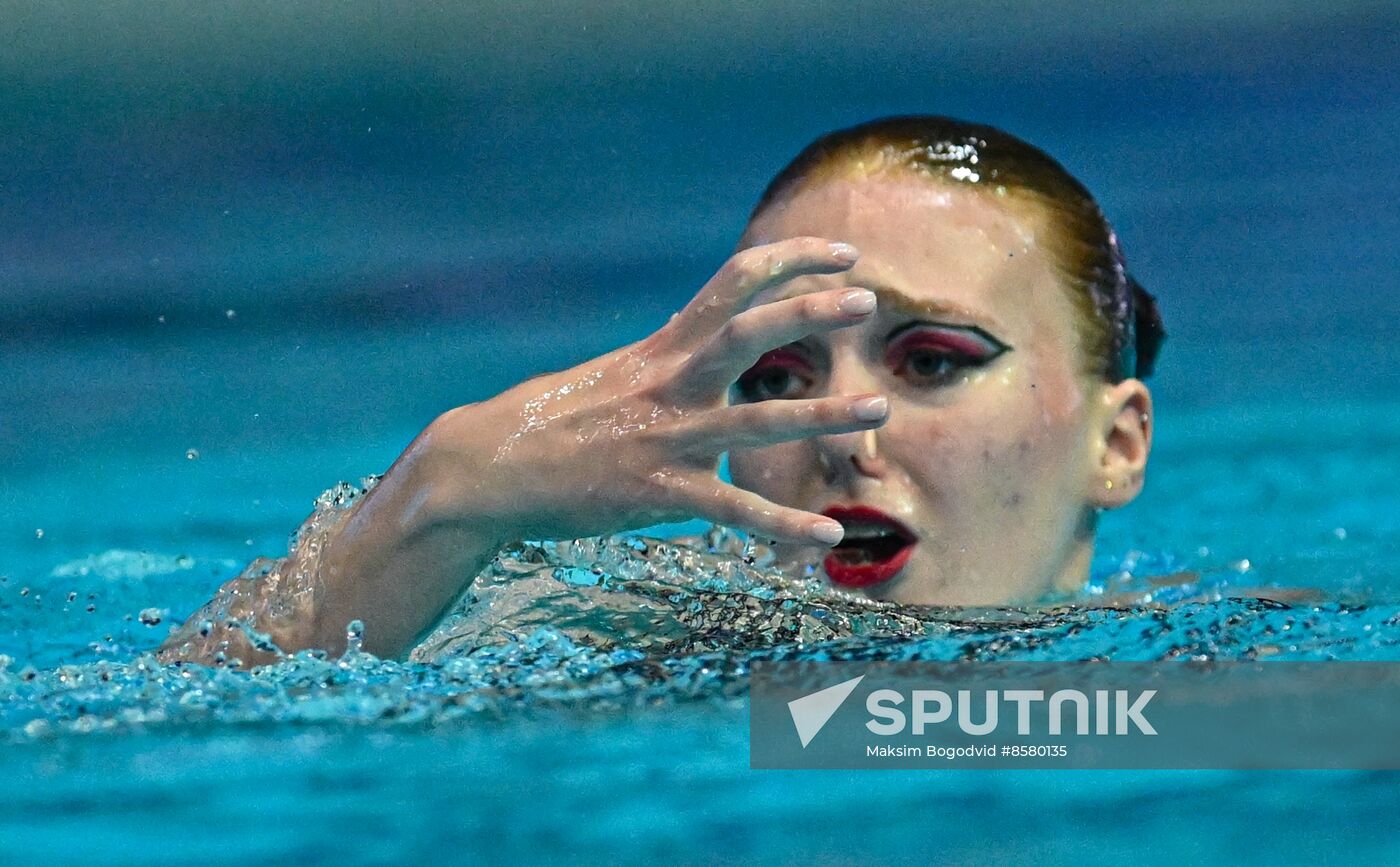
(811, 712)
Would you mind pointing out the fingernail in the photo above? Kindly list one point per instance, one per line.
(870, 408)
(827, 532)
(856, 301)
(845, 251)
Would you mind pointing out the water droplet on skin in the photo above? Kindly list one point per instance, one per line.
(192, 454)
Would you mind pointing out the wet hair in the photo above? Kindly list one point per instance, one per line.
(1119, 324)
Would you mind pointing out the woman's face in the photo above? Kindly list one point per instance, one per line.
(979, 488)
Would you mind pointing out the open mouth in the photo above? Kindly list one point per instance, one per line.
(874, 549)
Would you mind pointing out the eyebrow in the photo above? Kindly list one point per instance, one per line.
(946, 312)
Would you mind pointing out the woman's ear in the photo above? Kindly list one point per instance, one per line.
(1123, 438)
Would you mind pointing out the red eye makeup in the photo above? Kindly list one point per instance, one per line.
(923, 350)
(779, 373)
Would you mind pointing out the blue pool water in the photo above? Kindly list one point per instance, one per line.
(217, 302)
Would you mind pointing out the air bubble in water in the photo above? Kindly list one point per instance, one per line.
(354, 637)
(150, 616)
(192, 454)
(39, 533)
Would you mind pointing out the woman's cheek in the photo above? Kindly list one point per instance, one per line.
(1029, 401)
(1037, 444)
(992, 442)
(934, 448)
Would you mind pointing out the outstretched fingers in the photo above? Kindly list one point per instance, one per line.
(735, 507)
(753, 425)
(751, 271)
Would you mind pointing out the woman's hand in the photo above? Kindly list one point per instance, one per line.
(628, 439)
(633, 437)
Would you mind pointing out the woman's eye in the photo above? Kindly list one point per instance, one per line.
(935, 358)
(927, 363)
(779, 375)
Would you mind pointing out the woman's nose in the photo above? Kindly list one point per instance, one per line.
(850, 457)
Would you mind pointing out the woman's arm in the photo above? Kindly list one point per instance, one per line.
(625, 440)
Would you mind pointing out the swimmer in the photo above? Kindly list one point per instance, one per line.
(925, 363)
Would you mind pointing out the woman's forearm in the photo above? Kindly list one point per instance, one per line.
(402, 556)
(394, 560)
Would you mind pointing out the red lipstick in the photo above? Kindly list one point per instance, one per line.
(875, 548)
